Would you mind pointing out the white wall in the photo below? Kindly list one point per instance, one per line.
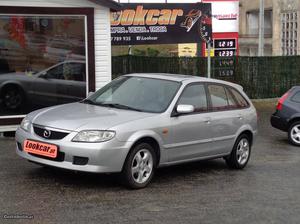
(102, 31)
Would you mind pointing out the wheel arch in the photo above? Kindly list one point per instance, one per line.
(249, 134)
(151, 140)
(294, 118)
(248, 131)
(12, 84)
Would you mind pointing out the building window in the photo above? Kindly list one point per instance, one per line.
(42, 61)
(253, 23)
(289, 27)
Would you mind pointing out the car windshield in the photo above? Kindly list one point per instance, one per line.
(136, 93)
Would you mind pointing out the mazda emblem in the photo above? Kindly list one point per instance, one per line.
(47, 133)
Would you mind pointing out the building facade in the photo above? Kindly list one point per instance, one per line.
(281, 27)
(51, 52)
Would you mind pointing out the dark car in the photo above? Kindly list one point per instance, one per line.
(287, 115)
(64, 82)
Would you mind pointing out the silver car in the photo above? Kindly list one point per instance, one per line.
(140, 122)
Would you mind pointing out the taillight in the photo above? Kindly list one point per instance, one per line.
(281, 101)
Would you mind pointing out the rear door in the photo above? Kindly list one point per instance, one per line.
(226, 118)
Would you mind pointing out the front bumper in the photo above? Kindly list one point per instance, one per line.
(104, 157)
(279, 123)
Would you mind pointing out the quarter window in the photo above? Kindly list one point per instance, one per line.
(195, 95)
(242, 103)
(231, 101)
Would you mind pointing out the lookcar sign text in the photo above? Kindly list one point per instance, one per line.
(161, 24)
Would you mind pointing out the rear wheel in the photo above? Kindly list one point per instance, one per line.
(240, 154)
(294, 133)
(139, 166)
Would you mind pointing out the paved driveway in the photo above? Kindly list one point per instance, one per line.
(267, 191)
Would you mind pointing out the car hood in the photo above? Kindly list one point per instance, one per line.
(13, 75)
(79, 116)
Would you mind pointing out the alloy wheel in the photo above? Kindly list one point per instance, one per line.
(295, 133)
(243, 151)
(142, 166)
(12, 99)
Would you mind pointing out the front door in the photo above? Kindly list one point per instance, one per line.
(191, 133)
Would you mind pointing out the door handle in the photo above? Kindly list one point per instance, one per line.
(240, 117)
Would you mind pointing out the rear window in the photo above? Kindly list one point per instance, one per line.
(296, 97)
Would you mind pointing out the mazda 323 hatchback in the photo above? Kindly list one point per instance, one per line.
(140, 122)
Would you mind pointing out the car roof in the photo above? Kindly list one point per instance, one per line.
(183, 78)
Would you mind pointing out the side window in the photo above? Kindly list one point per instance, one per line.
(194, 95)
(68, 71)
(242, 103)
(55, 73)
(218, 97)
(296, 97)
(74, 72)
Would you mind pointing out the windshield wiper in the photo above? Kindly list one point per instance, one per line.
(119, 106)
(88, 101)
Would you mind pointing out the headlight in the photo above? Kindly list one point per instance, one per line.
(94, 136)
(25, 124)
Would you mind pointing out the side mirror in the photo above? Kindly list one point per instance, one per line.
(185, 109)
(90, 93)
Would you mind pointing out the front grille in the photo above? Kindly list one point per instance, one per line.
(60, 157)
(54, 135)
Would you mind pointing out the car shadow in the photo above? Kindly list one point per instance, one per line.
(75, 179)
(203, 168)
(168, 175)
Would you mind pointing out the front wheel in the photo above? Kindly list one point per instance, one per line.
(139, 166)
(13, 98)
(240, 154)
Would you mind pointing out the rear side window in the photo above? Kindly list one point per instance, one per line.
(296, 97)
(232, 104)
(218, 97)
(242, 103)
(194, 95)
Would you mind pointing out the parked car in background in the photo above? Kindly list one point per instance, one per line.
(140, 122)
(287, 115)
(64, 82)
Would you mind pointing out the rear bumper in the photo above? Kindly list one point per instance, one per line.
(279, 123)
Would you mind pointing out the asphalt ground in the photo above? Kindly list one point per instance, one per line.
(266, 191)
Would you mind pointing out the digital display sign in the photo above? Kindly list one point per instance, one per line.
(225, 43)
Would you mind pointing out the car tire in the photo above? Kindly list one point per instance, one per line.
(139, 166)
(13, 98)
(294, 133)
(240, 153)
